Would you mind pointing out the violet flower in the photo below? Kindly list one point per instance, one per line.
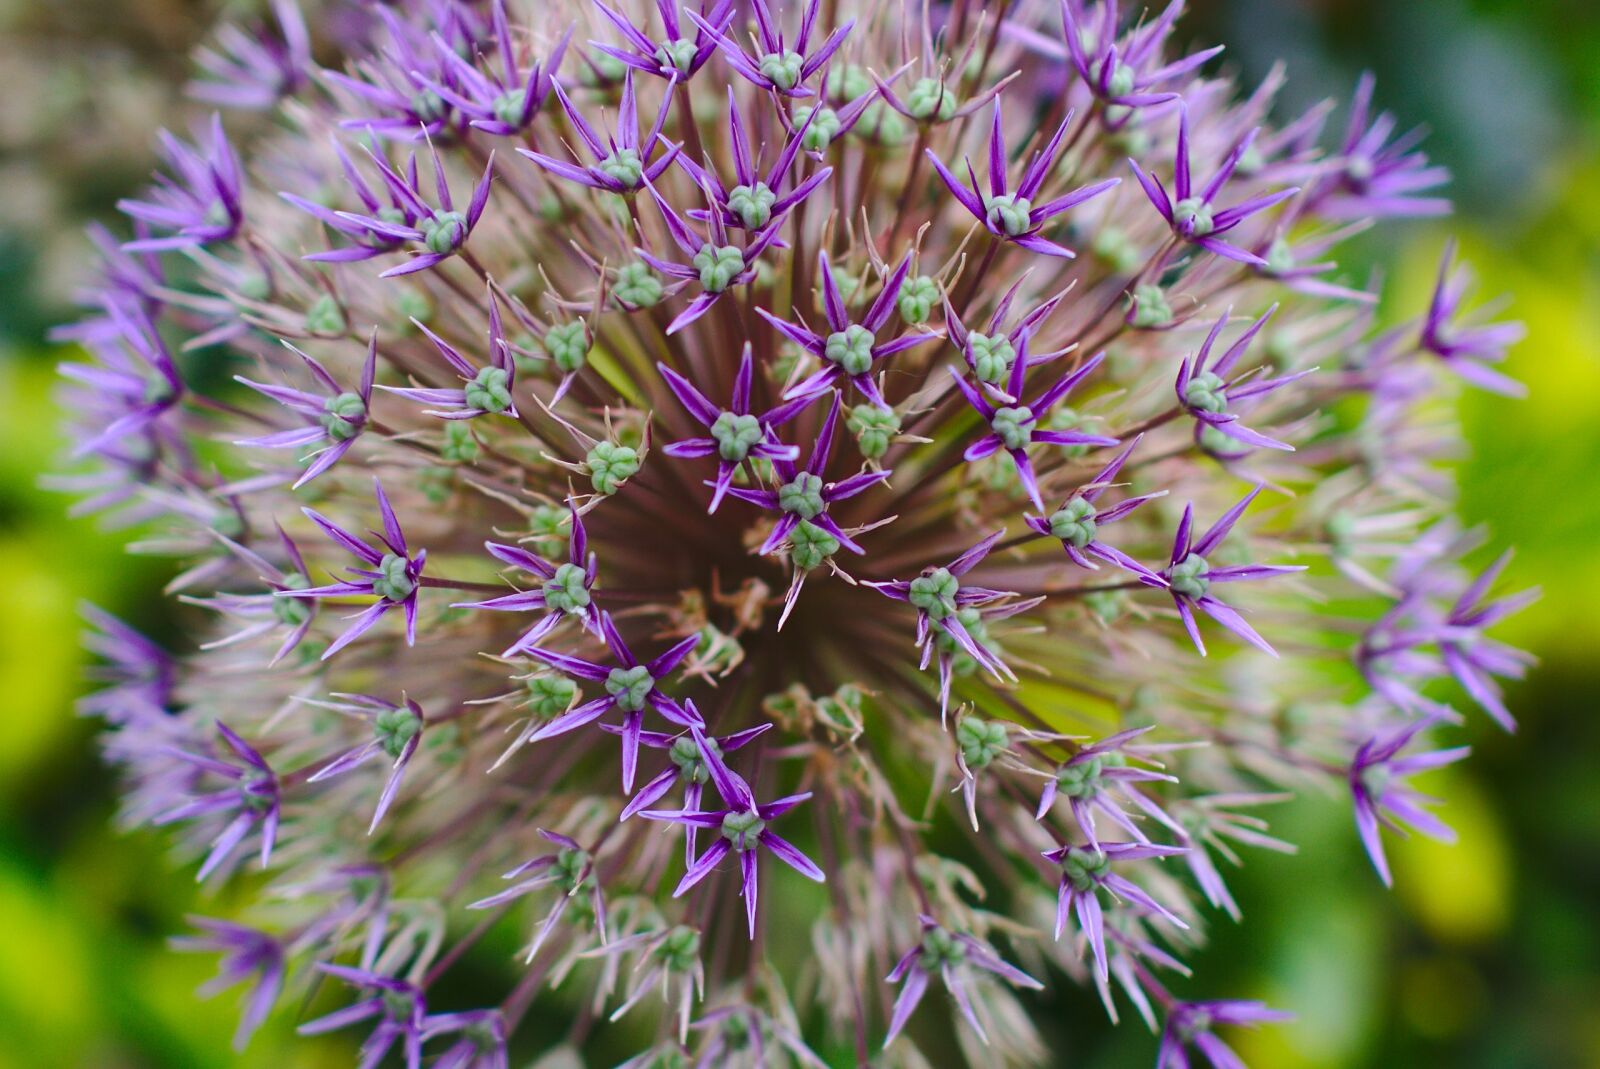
(803, 497)
(1120, 78)
(1014, 427)
(992, 354)
(1085, 872)
(503, 103)
(1088, 779)
(1381, 795)
(718, 264)
(248, 956)
(439, 232)
(1078, 521)
(397, 79)
(252, 799)
(398, 1005)
(1377, 177)
(686, 764)
(1209, 826)
(742, 827)
(736, 433)
(678, 57)
(1466, 346)
(135, 676)
(336, 417)
(480, 1039)
(754, 202)
(622, 161)
(398, 206)
(1191, 1024)
(136, 379)
(1192, 214)
(391, 574)
(849, 349)
(938, 595)
(1475, 659)
(1188, 577)
(1011, 216)
(946, 954)
(779, 68)
(1204, 392)
(570, 870)
(632, 687)
(396, 732)
(485, 391)
(251, 69)
(266, 611)
(564, 590)
(200, 202)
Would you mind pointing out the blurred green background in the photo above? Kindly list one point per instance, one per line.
(1487, 954)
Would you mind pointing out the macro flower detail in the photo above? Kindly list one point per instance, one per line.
(1009, 214)
(744, 230)
(1192, 213)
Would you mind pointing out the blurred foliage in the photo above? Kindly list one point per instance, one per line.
(1487, 956)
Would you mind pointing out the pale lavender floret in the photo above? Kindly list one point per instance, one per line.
(263, 612)
(742, 826)
(1099, 779)
(826, 493)
(944, 613)
(200, 202)
(841, 328)
(1085, 872)
(392, 574)
(773, 44)
(1209, 826)
(485, 391)
(502, 102)
(248, 957)
(480, 1039)
(136, 675)
(327, 421)
(1094, 546)
(439, 232)
(945, 954)
(123, 278)
(744, 1029)
(1377, 177)
(1188, 576)
(1191, 1024)
(1466, 347)
(1125, 76)
(676, 58)
(398, 1005)
(537, 599)
(254, 70)
(1284, 262)
(399, 205)
(135, 379)
(624, 678)
(395, 79)
(748, 178)
(251, 800)
(1009, 215)
(570, 869)
(370, 709)
(1192, 213)
(1382, 797)
(626, 145)
(1203, 389)
(1014, 428)
(707, 414)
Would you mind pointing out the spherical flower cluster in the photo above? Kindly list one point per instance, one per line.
(784, 506)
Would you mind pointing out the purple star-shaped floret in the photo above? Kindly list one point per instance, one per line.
(732, 427)
(485, 391)
(1015, 427)
(200, 202)
(1010, 215)
(632, 687)
(622, 160)
(336, 417)
(938, 596)
(391, 574)
(1085, 872)
(564, 590)
(943, 953)
(1468, 348)
(248, 956)
(754, 202)
(500, 102)
(1192, 214)
(1188, 576)
(1077, 522)
(1191, 1023)
(676, 58)
(398, 1005)
(718, 264)
(782, 67)
(1205, 392)
(252, 799)
(1381, 795)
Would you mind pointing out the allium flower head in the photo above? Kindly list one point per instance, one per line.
(910, 601)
